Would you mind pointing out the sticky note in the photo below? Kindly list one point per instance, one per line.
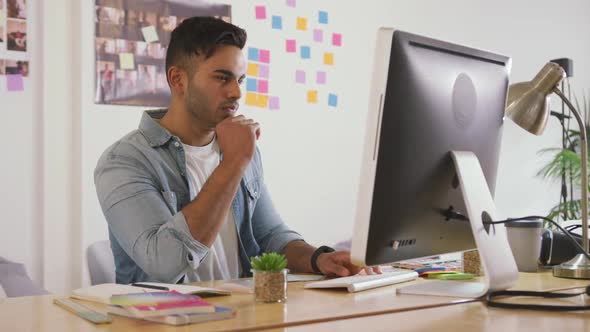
(301, 23)
(264, 56)
(260, 12)
(336, 39)
(263, 71)
(126, 61)
(332, 100)
(251, 85)
(291, 46)
(292, 3)
(150, 34)
(305, 52)
(277, 22)
(14, 82)
(274, 103)
(263, 86)
(251, 99)
(321, 77)
(252, 69)
(262, 101)
(312, 96)
(318, 35)
(323, 17)
(252, 54)
(300, 76)
(328, 58)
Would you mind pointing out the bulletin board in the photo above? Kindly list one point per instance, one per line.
(130, 46)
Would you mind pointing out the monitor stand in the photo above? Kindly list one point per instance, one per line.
(499, 267)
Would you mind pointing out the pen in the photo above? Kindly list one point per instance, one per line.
(138, 284)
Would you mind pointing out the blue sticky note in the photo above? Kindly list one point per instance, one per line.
(277, 22)
(305, 52)
(323, 17)
(252, 54)
(332, 100)
(251, 85)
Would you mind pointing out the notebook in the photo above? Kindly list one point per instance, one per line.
(180, 319)
(152, 304)
(102, 293)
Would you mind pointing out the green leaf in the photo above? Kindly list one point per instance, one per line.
(269, 262)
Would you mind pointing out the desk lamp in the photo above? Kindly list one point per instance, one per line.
(528, 107)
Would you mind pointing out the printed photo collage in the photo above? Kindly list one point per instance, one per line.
(13, 31)
(130, 48)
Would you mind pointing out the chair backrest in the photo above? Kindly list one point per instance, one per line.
(101, 263)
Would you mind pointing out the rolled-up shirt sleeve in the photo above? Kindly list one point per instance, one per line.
(141, 219)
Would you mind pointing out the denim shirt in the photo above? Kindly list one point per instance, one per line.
(142, 185)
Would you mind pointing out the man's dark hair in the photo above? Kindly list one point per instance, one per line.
(198, 36)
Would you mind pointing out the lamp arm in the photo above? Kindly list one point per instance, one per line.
(584, 148)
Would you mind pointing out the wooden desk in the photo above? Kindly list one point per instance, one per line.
(474, 316)
(303, 307)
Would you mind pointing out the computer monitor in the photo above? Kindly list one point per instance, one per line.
(428, 98)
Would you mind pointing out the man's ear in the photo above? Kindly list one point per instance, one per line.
(178, 80)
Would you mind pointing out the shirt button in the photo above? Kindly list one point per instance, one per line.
(176, 144)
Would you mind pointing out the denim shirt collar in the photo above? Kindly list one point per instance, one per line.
(155, 134)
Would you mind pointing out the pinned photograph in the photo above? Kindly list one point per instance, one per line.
(168, 23)
(146, 79)
(151, 18)
(110, 15)
(105, 72)
(1, 32)
(16, 9)
(125, 83)
(14, 67)
(2, 69)
(16, 35)
(105, 45)
(134, 17)
(141, 49)
(156, 51)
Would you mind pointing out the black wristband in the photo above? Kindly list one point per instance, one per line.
(316, 254)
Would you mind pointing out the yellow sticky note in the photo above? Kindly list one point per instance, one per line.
(301, 23)
(251, 99)
(312, 96)
(252, 69)
(262, 100)
(150, 34)
(328, 58)
(126, 61)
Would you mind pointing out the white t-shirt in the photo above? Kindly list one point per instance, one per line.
(222, 261)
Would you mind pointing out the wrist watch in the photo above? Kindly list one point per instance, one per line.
(316, 254)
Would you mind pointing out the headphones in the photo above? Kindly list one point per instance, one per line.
(553, 295)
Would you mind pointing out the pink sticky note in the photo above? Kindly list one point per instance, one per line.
(291, 3)
(273, 103)
(262, 71)
(291, 46)
(321, 77)
(260, 12)
(336, 39)
(264, 56)
(318, 35)
(262, 86)
(14, 82)
(300, 76)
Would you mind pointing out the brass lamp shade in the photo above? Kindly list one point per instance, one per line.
(528, 102)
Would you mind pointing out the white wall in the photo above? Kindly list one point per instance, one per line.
(311, 154)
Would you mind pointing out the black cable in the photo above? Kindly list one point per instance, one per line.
(576, 244)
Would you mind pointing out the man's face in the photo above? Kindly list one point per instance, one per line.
(214, 90)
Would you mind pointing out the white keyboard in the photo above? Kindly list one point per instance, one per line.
(362, 282)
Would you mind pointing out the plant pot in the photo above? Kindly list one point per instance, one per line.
(270, 286)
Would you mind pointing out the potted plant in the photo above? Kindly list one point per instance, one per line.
(270, 277)
(565, 165)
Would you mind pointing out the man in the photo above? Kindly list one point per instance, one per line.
(184, 195)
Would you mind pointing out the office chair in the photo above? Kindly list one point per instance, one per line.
(101, 263)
